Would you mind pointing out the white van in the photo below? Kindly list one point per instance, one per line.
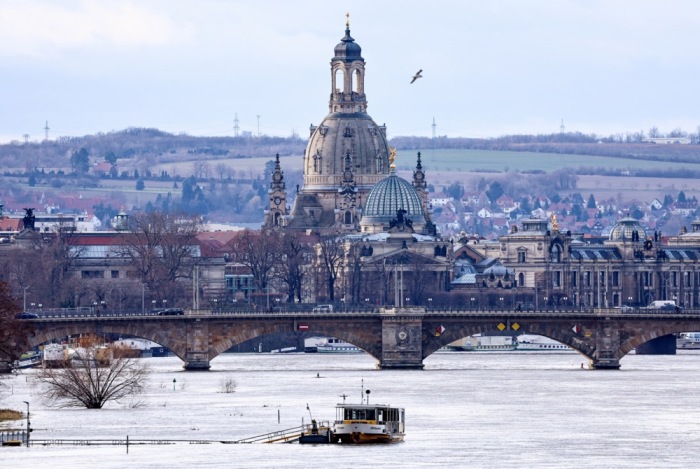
(323, 309)
(669, 305)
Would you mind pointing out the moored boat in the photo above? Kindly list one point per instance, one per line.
(688, 341)
(537, 343)
(479, 343)
(329, 345)
(365, 423)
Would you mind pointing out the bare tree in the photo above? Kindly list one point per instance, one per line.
(330, 254)
(227, 385)
(91, 382)
(259, 251)
(221, 169)
(201, 169)
(162, 249)
(44, 270)
(13, 334)
(292, 266)
(356, 278)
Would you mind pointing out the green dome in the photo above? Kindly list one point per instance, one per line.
(388, 196)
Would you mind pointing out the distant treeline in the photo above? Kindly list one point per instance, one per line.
(162, 147)
(155, 144)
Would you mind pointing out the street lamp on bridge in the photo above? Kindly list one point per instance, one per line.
(29, 428)
(25, 297)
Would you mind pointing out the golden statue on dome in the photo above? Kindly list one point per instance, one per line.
(555, 226)
(392, 158)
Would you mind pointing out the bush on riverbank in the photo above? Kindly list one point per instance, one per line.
(9, 414)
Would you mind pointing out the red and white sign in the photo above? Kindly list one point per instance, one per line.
(576, 328)
(439, 330)
(303, 327)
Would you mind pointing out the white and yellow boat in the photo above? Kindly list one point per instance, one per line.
(364, 423)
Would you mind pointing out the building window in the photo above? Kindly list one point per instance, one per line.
(556, 278)
(115, 274)
(555, 254)
(587, 278)
(92, 274)
(616, 278)
(574, 279)
(602, 278)
(521, 257)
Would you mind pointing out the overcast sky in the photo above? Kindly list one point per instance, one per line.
(490, 67)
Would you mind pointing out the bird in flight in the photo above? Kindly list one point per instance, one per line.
(417, 75)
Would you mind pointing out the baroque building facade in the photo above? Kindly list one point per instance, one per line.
(351, 192)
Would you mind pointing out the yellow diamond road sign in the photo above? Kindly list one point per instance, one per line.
(515, 326)
(501, 326)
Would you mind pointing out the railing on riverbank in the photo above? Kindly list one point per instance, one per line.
(11, 437)
(287, 435)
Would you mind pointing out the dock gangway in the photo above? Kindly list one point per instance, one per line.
(288, 435)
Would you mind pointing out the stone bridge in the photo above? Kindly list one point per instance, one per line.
(397, 338)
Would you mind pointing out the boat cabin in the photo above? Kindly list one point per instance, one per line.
(366, 423)
(365, 412)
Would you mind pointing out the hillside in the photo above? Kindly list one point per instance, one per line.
(139, 148)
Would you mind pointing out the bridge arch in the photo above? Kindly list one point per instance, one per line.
(551, 331)
(166, 337)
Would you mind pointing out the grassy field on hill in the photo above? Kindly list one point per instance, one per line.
(504, 161)
(451, 161)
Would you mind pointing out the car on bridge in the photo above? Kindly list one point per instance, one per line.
(171, 312)
(26, 315)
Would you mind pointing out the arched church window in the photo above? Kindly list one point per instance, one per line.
(317, 164)
(356, 81)
(338, 81)
(348, 217)
(555, 254)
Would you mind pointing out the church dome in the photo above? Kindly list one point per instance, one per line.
(387, 197)
(625, 228)
(338, 135)
(348, 50)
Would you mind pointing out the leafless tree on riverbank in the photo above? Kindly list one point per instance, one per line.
(91, 380)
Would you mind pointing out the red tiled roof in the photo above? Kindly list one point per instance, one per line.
(11, 224)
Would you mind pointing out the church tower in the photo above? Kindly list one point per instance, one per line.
(275, 215)
(347, 153)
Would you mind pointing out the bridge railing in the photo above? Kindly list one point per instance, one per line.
(88, 313)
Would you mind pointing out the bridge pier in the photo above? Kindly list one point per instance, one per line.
(402, 338)
(195, 361)
(607, 343)
(197, 352)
